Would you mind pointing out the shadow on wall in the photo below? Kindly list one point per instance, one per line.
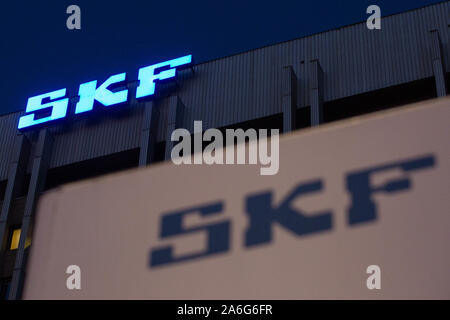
(378, 100)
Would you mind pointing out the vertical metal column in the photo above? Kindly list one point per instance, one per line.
(289, 103)
(37, 183)
(16, 177)
(316, 93)
(148, 134)
(174, 121)
(438, 63)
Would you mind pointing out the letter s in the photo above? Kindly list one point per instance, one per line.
(58, 111)
(171, 225)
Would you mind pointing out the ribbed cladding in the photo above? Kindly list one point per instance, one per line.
(354, 60)
(163, 105)
(357, 60)
(8, 132)
(441, 18)
(112, 132)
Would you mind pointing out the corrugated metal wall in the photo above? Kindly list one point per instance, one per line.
(8, 132)
(354, 60)
(248, 86)
(98, 136)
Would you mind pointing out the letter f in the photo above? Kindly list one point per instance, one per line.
(147, 76)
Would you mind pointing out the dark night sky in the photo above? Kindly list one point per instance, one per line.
(39, 54)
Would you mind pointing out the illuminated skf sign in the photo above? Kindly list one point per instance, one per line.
(90, 92)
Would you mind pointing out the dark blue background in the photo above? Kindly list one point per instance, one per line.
(39, 54)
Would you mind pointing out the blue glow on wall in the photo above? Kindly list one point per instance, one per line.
(89, 92)
(147, 76)
(58, 111)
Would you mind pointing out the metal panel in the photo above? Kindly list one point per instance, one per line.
(8, 132)
(111, 132)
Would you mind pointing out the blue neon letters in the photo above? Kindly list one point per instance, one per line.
(89, 93)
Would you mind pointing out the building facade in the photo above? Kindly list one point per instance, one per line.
(291, 85)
